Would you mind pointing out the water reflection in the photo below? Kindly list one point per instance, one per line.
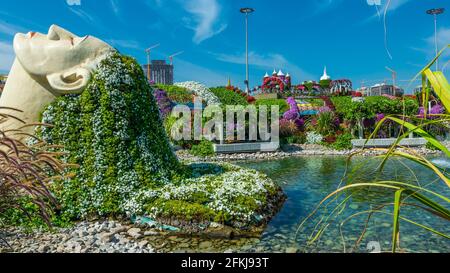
(308, 180)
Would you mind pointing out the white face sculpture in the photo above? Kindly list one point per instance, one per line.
(59, 59)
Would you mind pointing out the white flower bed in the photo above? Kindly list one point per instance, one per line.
(223, 189)
(313, 138)
(200, 90)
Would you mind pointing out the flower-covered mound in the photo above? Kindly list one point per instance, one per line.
(113, 131)
(221, 193)
(200, 90)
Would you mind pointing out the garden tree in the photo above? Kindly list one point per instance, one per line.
(325, 84)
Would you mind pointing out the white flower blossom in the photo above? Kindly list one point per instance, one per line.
(201, 91)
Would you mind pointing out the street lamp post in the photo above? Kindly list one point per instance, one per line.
(435, 13)
(247, 11)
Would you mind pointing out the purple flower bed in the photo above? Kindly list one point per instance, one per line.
(435, 110)
(293, 113)
(380, 117)
(164, 103)
(325, 109)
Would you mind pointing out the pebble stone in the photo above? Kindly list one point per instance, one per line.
(84, 237)
(292, 151)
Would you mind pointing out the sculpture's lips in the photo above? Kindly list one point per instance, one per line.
(31, 34)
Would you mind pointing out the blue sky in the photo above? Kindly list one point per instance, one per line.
(300, 37)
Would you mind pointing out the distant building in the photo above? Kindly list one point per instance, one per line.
(383, 89)
(161, 72)
(419, 89)
(277, 82)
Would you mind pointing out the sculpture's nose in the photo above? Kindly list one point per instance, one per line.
(58, 33)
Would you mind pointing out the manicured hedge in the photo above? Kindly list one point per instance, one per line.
(177, 94)
(371, 106)
(228, 97)
(269, 102)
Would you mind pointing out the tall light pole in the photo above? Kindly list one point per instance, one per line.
(247, 11)
(435, 13)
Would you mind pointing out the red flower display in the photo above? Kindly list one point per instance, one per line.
(273, 83)
(238, 91)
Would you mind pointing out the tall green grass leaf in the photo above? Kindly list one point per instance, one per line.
(395, 226)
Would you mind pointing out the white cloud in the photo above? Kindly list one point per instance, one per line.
(73, 2)
(374, 2)
(84, 15)
(131, 44)
(443, 36)
(6, 56)
(393, 6)
(269, 62)
(429, 48)
(205, 19)
(321, 6)
(115, 6)
(9, 29)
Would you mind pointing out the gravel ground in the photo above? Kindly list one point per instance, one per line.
(95, 237)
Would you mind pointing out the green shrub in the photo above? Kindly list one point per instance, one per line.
(326, 123)
(354, 111)
(204, 148)
(228, 97)
(343, 142)
(299, 138)
(269, 102)
(431, 147)
(177, 94)
(183, 210)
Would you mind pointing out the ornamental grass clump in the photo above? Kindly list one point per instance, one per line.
(27, 172)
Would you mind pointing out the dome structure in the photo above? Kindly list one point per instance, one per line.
(274, 73)
(280, 73)
(325, 76)
(266, 76)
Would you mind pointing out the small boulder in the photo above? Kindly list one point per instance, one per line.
(135, 233)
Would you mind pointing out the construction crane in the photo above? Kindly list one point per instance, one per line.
(394, 75)
(148, 51)
(174, 55)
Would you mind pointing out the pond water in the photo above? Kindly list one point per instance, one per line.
(307, 180)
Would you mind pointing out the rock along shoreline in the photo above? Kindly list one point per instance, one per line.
(287, 151)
